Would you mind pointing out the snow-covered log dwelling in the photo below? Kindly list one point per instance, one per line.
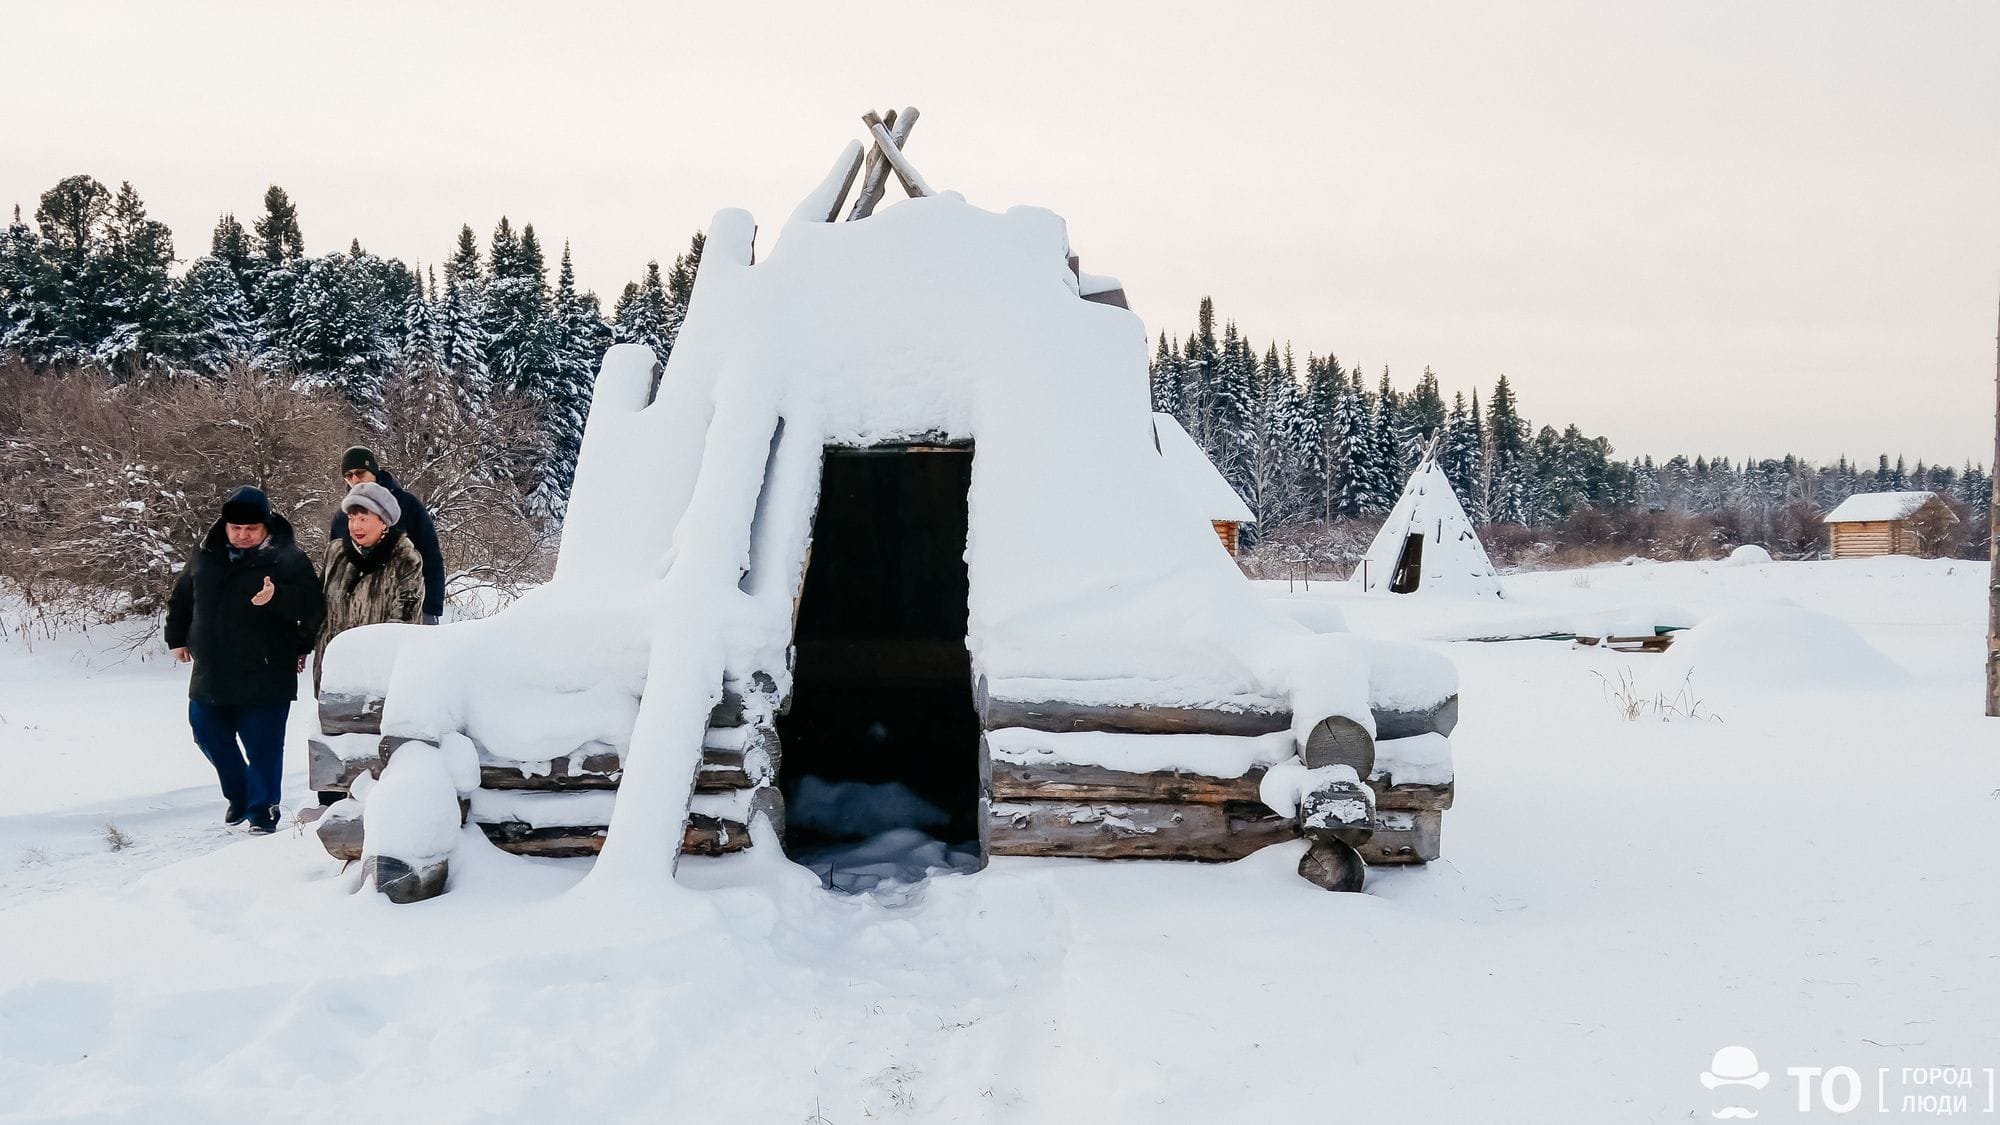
(1197, 476)
(1427, 544)
(810, 562)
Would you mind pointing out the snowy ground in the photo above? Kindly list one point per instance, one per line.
(1807, 874)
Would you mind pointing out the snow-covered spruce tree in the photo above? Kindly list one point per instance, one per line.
(1349, 443)
(417, 348)
(578, 340)
(1200, 356)
(1303, 447)
(517, 316)
(215, 326)
(461, 321)
(1384, 472)
(347, 325)
(20, 268)
(68, 310)
(138, 291)
(1459, 457)
(1232, 410)
(1420, 417)
(1164, 378)
(680, 289)
(1264, 455)
(278, 247)
(640, 316)
(1326, 385)
(1507, 452)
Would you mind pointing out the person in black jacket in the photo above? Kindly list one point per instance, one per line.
(358, 466)
(246, 610)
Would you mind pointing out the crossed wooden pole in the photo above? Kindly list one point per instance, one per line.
(891, 131)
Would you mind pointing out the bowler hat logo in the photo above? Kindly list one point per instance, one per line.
(1734, 1066)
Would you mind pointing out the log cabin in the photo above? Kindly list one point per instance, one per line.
(1884, 523)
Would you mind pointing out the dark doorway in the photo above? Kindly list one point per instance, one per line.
(882, 682)
(1409, 566)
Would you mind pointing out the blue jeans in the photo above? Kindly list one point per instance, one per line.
(250, 775)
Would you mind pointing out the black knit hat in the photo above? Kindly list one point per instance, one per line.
(359, 457)
(246, 505)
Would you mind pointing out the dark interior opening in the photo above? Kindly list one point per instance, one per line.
(882, 682)
(1409, 566)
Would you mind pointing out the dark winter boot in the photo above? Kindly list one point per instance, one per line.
(263, 822)
(234, 814)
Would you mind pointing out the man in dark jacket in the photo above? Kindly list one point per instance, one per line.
(358, 466)
(246, 610)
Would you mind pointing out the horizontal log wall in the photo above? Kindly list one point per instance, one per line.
(1062, 717)
(1134, 830)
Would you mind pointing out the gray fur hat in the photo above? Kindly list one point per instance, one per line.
(372, 497)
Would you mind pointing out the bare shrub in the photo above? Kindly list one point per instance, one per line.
(475, 470)
(115, 838)
(111, 488)
(1633, 705)
(1944, 530)
(1319, 551)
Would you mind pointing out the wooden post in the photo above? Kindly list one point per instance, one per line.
(875, 177)
(906, 173)
(1993, 549)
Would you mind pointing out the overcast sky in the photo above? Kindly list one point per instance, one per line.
(1738, 228)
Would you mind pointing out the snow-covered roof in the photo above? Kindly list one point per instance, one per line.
(1453, 563)
(1874, 507)
(1196, 476)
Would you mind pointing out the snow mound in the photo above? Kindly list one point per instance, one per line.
(1319, 616)
(1749, 554)
(1776, 647)
(412, 812)
(889, 862)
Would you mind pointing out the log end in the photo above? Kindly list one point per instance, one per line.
(403, 883)
(339, 830)
(1340, 741)
(1333, 866)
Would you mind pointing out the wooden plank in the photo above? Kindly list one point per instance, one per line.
(1207, 833)
(350, 714)
(1011, 781)
(1403, 838)
(1056, 716)
(1059, 717)
(600, 769)
(704, 835)
(1410, 798)
(328, 772)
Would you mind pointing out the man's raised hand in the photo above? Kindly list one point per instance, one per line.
(264, 596)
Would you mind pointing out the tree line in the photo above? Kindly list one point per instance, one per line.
(1315, 448)
(91, 286)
